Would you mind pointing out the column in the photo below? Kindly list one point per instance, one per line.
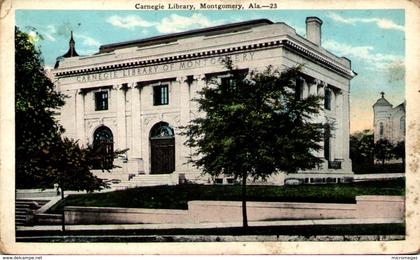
(305, 89)
(333, 101)
(313, 91)
(333, 125)
(121, 118)
(80, 117)
(346, 166)
(313, 88)
(136, 130)
(320, 91)
(196, 85)
(144, 145)
(339, 125)
(183, 84)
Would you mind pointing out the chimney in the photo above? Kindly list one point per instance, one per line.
(313, 29)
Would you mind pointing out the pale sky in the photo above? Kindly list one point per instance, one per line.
(373, 40)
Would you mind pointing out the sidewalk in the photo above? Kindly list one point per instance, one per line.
(211, 225)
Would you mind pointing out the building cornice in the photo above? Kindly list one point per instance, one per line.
(286, 43)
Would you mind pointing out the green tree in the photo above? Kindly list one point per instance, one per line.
(362, 147)
(254, 126)
(36, 99)
(383, 150)
(43, 157)
(69, 165)
(399, 151)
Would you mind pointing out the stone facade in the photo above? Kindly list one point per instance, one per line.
(388, 121)
(136, 88)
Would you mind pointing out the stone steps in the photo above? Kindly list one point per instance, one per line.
(24, 207)
(148, 180)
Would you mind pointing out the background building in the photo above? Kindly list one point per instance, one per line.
(388, 121)
(137, 94)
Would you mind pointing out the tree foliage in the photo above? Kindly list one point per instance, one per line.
(69, 166)
(399, 151)
(36, 99)
(43, 157)
(383, 150)
(362, 147)
(254, 125)
(364, 151)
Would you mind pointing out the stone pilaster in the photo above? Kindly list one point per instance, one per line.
(80, 116)
(339, 125)
(319, 88)
(305, 89)
(321, 92)
(184, 86)
(198, 83)
(121, 118)
(346, 133)
(333, 101)
(313, 88)
(333, 126)
(135, 123)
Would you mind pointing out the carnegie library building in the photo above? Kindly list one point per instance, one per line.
(136, 94)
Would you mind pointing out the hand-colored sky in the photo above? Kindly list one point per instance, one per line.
(374, 40)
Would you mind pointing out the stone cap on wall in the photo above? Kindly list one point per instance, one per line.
(383, 198)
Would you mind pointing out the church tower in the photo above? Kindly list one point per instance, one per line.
(381, 119)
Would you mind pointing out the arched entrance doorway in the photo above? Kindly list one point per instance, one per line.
(162, 149)
(103, 146)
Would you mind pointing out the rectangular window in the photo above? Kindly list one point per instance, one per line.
(226, 81)
(160, 95)
(327, 99)
(101, 100)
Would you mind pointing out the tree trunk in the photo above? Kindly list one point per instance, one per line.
(244, 214)
(62, 215)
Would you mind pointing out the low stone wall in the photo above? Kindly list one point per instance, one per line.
(48, 219)
(101, 215)
(380, 207)
(231, 211)
(386, 207)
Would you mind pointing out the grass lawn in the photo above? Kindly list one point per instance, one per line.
(176, 197)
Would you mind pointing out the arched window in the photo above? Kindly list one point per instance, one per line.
(402, 124)
(103, 146)
(381, 129)
(161, 130)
